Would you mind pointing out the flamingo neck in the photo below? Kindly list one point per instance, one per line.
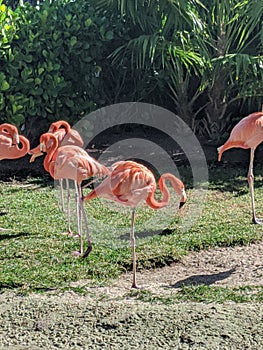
(65, 125)
(62, 125)
(25, 146)
(177, 186)
(153, 203)
(51, 150)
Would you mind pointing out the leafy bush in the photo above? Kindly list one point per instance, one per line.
(49, 58)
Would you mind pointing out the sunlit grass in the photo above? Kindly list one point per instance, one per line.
(36, 257)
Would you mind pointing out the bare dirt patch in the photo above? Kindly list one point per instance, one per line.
(229, 267)
(109, 318)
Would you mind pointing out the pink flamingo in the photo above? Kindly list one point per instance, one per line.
(129, 183)
(248, 133)
(71, 162)
(10, 142)
(65, 136)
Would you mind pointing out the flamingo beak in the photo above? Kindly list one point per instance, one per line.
(183, 199)
(35, 152)
(16, 139)
(42, 147)
(34, 156)
(181, 204)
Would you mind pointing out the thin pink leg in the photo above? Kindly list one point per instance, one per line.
(89, 245)
(250, 179)
(132, 238)
(80, 252)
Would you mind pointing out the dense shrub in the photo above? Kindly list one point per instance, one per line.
(51, 61)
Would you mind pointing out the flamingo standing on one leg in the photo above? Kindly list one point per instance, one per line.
(248, 133)
(71, 162)
(129, 183)
(65, 136)
(10, 142)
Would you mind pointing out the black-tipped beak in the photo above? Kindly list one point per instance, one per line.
(181, 204)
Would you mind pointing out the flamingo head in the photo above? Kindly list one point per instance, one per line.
(57, 125)
(47, 142)
(12, 131)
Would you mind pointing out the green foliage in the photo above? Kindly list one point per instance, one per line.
(63, 59)
(203, 59)
(49, 59)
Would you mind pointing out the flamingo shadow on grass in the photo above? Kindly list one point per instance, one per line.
(148, 233)
(203, 279)
(4, 236)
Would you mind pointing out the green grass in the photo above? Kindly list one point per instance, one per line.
(36, 257)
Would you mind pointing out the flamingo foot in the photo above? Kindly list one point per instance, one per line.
(257, 221)
(70, 234)
(76, 253)
(86, 253)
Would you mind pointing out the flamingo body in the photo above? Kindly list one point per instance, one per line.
(129, 183)
(247, 134)
(9, 143)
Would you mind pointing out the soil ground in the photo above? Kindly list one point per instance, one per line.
(110, 318)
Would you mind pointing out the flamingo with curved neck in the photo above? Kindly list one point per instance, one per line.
(9, 130)
(71, 136)
(65, 136)
(11, 151)
(72, 163)
(10, 142)
(129, 183)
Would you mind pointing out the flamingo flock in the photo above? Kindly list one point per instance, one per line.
(126, 182)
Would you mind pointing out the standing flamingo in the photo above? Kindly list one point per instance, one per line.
(248, 133)
(129, 183)
(65, 136)
(71, 162)
(10, 142)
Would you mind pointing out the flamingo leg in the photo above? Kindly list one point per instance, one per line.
(89, 248)
(68, 209)
(78, 213)
(132, 238)
(62, 195)
(69, 232)
(250, 179)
